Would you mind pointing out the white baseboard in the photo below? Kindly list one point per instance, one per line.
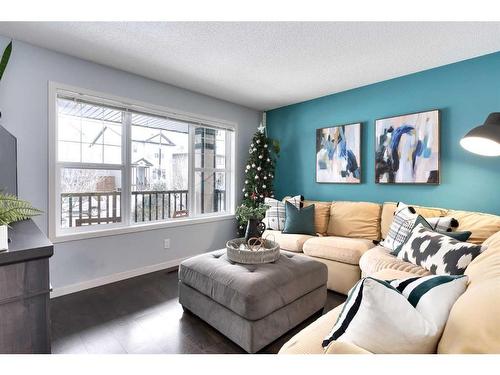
(73, 288)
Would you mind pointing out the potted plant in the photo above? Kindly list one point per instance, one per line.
(251, 218)
(13, 209)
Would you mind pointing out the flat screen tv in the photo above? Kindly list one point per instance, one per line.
(8, 162)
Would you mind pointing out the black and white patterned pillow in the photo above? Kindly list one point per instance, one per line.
(275, 214)
(401, 226)
(438, 253)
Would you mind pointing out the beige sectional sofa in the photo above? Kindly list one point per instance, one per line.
(349, 252)
(347, 233)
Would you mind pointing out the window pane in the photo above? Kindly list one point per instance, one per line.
(210, 192)
(92, 153)
(210, 148)
(159, 168)
(69, 151)
(112, 154)
(89, 197)
(91, 129)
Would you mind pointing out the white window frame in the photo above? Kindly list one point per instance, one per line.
(58, 234)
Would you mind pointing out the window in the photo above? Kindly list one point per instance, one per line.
(118, 165)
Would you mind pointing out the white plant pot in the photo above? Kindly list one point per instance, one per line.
(4, 238)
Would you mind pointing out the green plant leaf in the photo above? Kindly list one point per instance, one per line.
(13, 209)
(5, 58)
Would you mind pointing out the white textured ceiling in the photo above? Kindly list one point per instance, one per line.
(264, 65)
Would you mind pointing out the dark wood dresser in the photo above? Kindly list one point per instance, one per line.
(24, 291)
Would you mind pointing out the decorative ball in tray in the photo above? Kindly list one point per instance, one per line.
(255, 251)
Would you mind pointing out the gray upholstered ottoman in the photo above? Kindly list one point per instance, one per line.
(252, 305)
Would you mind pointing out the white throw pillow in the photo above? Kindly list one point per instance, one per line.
(275, 214)
(401, 226)
(438, 252)
(443, 224)
(397, 316)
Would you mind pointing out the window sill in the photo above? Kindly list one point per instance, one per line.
(60, 238)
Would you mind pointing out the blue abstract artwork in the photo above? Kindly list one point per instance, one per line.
(407, 149)
(338, 156)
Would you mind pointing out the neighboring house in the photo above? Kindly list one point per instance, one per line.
(141, 174)
(151, 163)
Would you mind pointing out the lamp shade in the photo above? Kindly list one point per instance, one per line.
(484, 139)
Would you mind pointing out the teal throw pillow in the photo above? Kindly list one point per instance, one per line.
(459, 236)
(299, 221)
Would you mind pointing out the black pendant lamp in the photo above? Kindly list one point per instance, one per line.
(484, 139)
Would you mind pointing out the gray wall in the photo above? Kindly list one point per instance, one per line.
(23, 101)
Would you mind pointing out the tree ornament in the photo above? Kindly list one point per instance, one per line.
(264, 186)
(256, 176)
(253, 165)
(250, 151)
(265, 146)
(251, 145)
(261, 196)
(246, 182)
(254, 150)
(265, 177)
(260, 156)
(259, 168)
(268, 160)
(248, 167)
(246, 194)
(258, 141)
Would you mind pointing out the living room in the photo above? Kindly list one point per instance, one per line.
(191, 186)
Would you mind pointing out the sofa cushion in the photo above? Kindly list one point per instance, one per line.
(379, 258)
(321, 215)
(473, 325)
(481, 225)
(391, 274)
(438, 253)
(340, 347)
(308, 341)
(299, 220)
(443, 223)
(388, 209)
(397, 316)
(342, 249)
(355, 219)
(252, 291)
(402, 223)
(287, 241)
(275, 214)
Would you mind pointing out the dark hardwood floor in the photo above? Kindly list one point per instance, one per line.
(142, 315)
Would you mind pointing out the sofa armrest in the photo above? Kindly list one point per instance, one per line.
(340, 347)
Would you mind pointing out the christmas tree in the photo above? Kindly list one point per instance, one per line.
(259, 175)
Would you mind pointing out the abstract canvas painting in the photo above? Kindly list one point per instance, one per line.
(407, 149)
(338, 150)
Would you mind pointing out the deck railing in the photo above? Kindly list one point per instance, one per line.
(157, 205)
(78, 209)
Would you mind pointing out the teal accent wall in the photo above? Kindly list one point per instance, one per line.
(465, 92)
